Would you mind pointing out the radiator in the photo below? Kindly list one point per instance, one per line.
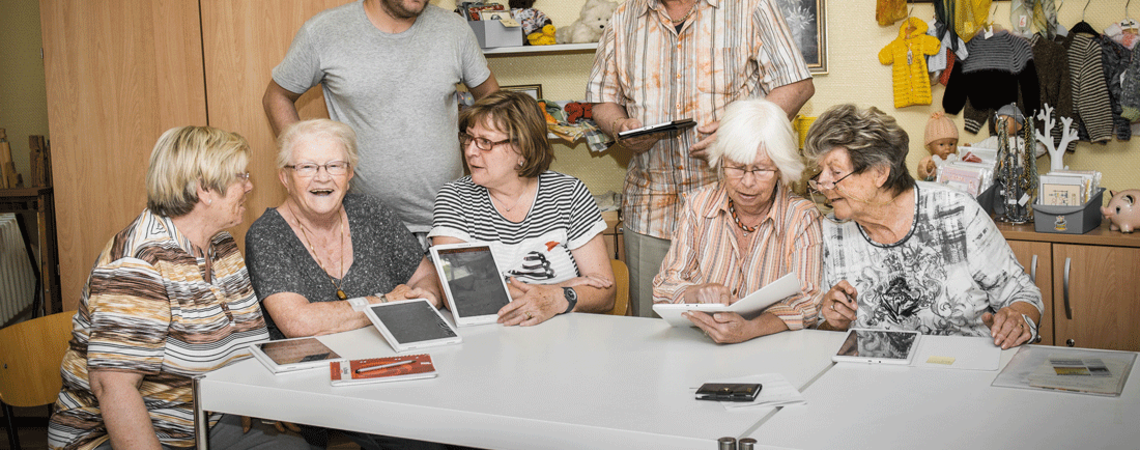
(17, 281)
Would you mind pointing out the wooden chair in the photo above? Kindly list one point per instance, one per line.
(621, 282)
(30, 355)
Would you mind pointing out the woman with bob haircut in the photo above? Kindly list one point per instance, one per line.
(909, 255)
(747, 230)
(169, 298)
(543, 227)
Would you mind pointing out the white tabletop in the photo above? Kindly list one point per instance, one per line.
(576, 381)
(860, 406)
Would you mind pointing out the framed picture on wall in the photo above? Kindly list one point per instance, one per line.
(533, 90)
(808, 21)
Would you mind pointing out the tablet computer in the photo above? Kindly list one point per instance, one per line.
(749, 307)
(878, 347)
(411, 324)
(472, 283)
(675, 125)
(287, 355)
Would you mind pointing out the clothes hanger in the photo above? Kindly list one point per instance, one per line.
(1082, 26)
(1128, 24)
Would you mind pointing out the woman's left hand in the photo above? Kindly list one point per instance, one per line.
(722, 327)
(532, 304)
(1008, 328)
(403, 292)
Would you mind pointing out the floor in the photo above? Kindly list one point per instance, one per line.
(36, 439)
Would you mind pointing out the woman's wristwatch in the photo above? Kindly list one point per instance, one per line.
(1035, 338)
(571, 298)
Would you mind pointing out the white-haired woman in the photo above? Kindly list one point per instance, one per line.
(746, 231)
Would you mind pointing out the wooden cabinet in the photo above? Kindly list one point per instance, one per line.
(1090, 284)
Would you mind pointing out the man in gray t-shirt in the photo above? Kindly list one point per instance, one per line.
(388, 69)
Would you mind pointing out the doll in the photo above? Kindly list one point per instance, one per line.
(941, 140)
(1011, 118)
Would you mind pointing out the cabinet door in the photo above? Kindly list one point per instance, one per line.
(1037, 259)
(1096, 296)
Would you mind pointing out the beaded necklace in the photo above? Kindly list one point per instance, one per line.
(732, 209)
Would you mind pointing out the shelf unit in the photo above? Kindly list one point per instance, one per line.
(540, 49)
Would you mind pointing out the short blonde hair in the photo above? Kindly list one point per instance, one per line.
(752, 126)
(185, 158)
(317, 127)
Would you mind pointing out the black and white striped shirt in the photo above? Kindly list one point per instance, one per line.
(562, 218)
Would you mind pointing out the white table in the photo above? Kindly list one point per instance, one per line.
(860, 406)
(577, 381)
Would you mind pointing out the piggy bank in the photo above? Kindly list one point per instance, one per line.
(1123, 211)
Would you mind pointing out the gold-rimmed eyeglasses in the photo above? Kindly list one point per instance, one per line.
(757, 173)
(310, 169)
(480, 143)
(243, 176)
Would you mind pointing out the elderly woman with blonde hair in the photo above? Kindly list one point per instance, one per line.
(747, 230)
(169, 298)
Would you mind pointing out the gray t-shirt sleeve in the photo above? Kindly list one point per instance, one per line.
(475, 68)
(301, 68)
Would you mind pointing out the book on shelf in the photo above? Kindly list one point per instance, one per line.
(350, 372)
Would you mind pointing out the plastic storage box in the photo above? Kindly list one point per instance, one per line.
(1068, 219)
(492, 34)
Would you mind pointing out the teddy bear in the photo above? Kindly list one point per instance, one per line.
(578, 110)
(588, 28)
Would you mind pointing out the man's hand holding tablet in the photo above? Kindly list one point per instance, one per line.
(639, 139)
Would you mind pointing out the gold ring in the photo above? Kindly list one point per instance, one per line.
(528, 317)
(833, 306)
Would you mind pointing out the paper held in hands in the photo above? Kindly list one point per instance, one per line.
(675, 125)
(381, 370)
(750, 306)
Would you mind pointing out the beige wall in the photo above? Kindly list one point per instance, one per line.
(23, 102)
(855, 76)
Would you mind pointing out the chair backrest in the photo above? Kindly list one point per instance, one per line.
(621, 282)
(30, 355)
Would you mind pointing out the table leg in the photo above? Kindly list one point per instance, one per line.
(201, 420)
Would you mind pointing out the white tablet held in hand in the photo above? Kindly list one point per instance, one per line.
(472, 282)
(287, 355)
(878, 347)
(749, 307)
(411, 324)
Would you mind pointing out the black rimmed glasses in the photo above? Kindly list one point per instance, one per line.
(310, 169)
(480, 143)
(820, 187)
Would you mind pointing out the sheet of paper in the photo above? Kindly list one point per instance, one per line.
(957, 352)
(777, 391)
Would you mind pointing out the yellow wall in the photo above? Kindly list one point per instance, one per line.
(855, 76)
(23, 100)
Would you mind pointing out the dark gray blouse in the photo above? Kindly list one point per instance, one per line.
(385, 254)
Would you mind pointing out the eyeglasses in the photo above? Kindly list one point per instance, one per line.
(759, 174)
(481, 143)
(310, 169)
(244, 176)
(816, 185)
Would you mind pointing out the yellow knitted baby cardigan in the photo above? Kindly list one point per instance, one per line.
(908, 54)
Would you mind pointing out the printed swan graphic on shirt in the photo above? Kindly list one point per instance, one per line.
(542, 259)
(534, 266)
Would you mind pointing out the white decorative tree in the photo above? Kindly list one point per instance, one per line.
(1068, 134)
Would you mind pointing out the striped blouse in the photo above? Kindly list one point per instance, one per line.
(725, 51)
(705, 250)
(536, 250)
(147, 309)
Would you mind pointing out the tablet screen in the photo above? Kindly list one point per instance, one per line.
(412, 321)
(292, 351)
(879, 344)
(473, 280)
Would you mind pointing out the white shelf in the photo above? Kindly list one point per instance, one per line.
(540, 49)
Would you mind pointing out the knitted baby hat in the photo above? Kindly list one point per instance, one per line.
(1012, 111)
(939, 127)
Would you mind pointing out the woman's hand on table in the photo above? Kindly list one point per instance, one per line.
(531, 304)
(839, 306)
(403, 292)
(708, 293)
(722, 327)
(1008, 328)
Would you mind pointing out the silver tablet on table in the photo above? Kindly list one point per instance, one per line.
(411, 324)
(878, 347)
(471, 280)
(287, 355)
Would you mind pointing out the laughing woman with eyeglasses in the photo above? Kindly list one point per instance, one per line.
(901, 254)
(746, 231)
(543, 227)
